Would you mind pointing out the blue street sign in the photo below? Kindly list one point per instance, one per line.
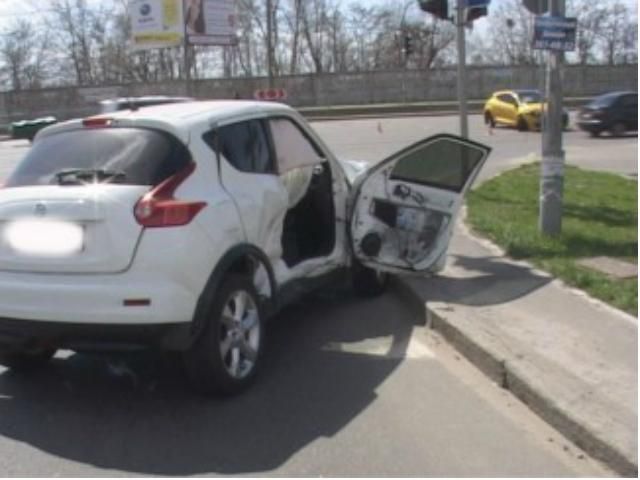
(554, 33)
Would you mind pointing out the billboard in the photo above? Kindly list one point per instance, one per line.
(156, 23)
(210, 22)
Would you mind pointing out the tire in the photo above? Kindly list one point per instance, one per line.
(368, 283)
(489, 120)
(618, 129)
(594, 133)
(522, 124)
(19, 361)
(226, 356)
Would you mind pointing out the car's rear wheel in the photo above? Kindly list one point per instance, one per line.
(226, 356)
(368, 282)
(522, 124)
(489, 120)
(23, 361)
(618, 129)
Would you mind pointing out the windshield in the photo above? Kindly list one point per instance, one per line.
(530, 97)
(603, 101)
(135, 156)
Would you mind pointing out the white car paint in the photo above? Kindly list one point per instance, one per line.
(171, 266)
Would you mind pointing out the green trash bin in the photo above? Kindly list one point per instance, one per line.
(27, 129)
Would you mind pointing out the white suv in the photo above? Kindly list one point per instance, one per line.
(185, 226)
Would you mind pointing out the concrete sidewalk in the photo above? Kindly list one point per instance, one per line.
(572, 359)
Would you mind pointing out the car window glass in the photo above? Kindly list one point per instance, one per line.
(443, 164)
(293, 149)
(244, 145)
(144, 156)
(630, 101)
(507, 99)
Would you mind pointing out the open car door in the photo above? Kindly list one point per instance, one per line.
(404, 208)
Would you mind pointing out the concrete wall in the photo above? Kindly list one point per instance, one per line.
(325, 90)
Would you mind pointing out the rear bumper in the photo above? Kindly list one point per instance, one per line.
(95, 299)
(591, 125)
(20, 334)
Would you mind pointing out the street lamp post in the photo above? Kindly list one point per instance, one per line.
(552, 168)
(462, 69)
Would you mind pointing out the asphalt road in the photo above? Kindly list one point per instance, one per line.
(349, 387)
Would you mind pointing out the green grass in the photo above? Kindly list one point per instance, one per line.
(600, 218)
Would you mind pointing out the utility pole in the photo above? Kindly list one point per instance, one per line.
(269, 45)
(462, 68)
(186, 66)
(552, 173)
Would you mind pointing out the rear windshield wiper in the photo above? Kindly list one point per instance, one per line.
(81, 176)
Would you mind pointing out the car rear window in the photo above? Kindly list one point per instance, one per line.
(604, 101)
(142, 156)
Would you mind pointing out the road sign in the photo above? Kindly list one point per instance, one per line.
(270, 94)
(477, 3)
(555, 33)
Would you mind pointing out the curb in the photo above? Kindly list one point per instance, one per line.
(511, 378)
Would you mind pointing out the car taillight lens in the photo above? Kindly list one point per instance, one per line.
(158, 208)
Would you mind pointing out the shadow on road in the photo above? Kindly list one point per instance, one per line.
(485, 281)
(134, 413)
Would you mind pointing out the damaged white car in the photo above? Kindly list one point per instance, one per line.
(185, 226)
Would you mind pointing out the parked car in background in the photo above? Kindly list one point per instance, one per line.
(133, 103)
(614, 112)
(27, 129)
(517, 108)
(185, 226)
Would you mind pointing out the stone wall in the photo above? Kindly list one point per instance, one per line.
(326, 90)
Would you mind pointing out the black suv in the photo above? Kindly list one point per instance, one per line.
(615, 112)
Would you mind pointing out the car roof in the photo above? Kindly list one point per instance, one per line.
(186, 113)
(178, 118)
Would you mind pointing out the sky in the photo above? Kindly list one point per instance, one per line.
(12, 9)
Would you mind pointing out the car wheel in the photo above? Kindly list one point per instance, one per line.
(20, 361)
(594, 133)
(618, 129)
(522, 124)
(489, 120)
(225, 357)
(368, 282)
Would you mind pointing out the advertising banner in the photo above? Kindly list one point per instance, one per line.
(210, 22)
(156, 23)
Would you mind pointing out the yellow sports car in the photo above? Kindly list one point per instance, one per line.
(517, 108)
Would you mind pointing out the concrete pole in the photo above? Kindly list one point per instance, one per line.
(269, 45)
(462, 70)
(552, 172)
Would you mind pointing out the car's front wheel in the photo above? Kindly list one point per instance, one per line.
(522, 124)
(226, 356)
(23, 361)
(368, 282)
(618, 129)
(489, 120)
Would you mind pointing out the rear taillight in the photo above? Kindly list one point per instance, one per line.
(158, 208)
(97, 122)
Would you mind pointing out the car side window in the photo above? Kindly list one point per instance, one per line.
(506, 98)
(630, 101)
(292, 147)
(244, 145)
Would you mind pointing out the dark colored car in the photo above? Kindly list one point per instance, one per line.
(615, 112)
(134, 103)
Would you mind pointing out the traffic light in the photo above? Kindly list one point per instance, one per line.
(475, 9)
(475, 13)
(408, 45)
(438, 8)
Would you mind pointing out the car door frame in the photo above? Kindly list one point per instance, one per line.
(459, 199)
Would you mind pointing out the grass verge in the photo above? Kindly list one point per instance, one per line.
(600, 218)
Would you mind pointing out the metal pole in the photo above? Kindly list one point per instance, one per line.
(269, 46)
(552, 171)
(462, 70)
(186, 66)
